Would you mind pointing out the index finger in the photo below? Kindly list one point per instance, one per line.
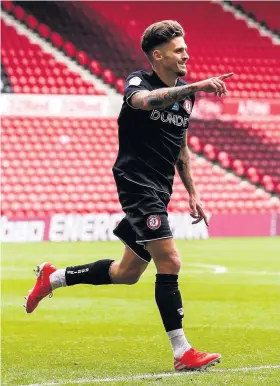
(225, 76)
(203, 215)
(205, 220)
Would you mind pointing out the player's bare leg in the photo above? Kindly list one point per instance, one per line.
(126, 271)
(168, 298)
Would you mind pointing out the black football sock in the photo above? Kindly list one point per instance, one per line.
(169, 301)
(96, 273)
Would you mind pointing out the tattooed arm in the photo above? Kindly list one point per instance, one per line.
(164, 97)
(160, 98)
(184, 169)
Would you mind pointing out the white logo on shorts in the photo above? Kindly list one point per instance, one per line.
(181, 311)
(153, 222)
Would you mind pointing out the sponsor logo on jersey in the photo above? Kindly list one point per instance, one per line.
(175, 107)
(188, 106)
(168, 117)
(153, 222)
(135, 81)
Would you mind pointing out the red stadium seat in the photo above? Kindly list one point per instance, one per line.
(224, 159)
(56, 39)
(95, 67)
(19, 12)
(194, 143)
(69, 49)
(82, 58)
(108, 76)
(120, 85)
(44, 30)
(210, 152)
(31, 21)
(7, 5)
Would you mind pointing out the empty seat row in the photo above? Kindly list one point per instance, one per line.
(53, 177)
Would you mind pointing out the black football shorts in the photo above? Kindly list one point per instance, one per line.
(146, 216)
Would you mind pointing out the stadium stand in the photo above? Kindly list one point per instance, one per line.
(252, 57)
(74, 25)
(74, 52)
(31, 70)
(72, 22)
(266, 15)
(64, 165)
(241, 143)
(269, 130)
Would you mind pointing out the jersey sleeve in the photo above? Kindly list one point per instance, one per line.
(134, 83)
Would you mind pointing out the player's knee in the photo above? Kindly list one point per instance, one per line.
(132, 280)
(169, 263)
(175, 262)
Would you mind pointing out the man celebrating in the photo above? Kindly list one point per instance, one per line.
(153, 125)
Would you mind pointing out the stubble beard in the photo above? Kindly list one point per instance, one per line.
(180, 73)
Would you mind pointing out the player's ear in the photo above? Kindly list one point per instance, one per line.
(157, 55)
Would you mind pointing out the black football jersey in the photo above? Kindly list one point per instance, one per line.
(150, 141)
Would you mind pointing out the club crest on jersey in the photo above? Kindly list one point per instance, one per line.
(153, 222)
(188, 106)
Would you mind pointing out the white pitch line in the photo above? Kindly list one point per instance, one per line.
(255, 273)
(203, 265)
(214, 268)
(221, 269)
(159, 375)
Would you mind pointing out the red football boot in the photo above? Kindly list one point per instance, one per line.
(42, 287)
(193, 360)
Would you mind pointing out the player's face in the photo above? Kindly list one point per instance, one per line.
(174, 56)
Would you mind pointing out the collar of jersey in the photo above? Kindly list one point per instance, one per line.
(159, 81)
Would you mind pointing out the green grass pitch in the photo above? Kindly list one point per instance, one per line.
(112, 334)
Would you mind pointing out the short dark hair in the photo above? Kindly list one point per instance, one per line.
(160, 33)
